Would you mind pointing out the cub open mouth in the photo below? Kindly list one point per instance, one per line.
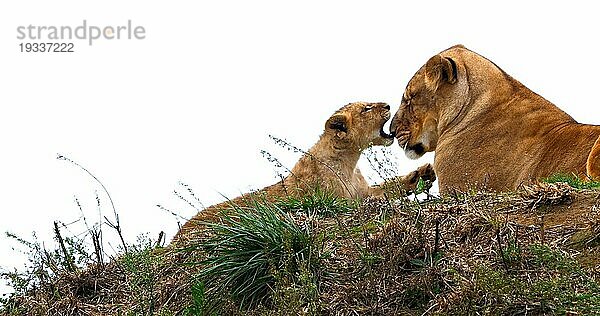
(382, 132)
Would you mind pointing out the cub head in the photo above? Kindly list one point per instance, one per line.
(359, 125)
(433, 97)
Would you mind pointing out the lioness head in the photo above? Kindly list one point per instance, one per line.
(359, 125)
(432, 100)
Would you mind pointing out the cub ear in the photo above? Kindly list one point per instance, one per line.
(439, 70)
(338, 123)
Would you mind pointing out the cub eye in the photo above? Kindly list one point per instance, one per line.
(367, 108)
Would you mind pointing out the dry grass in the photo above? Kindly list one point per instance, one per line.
(531, 252)
(140, 283)
(477, 253)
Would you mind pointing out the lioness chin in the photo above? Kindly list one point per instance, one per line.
(330, 165)
(488, 130)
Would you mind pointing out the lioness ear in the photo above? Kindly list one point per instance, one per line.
(439, 70)
(338, 123)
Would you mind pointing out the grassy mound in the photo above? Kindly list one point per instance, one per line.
(531, 252)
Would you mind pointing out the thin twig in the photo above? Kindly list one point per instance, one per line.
(69, 260)
(504, 263)
(161, 239)
(116, 226)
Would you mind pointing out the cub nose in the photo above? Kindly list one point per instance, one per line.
(387, 107)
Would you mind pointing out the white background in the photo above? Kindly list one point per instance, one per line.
(196, 100)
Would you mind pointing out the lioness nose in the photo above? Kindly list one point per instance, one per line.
(387, 107)
(393, 126)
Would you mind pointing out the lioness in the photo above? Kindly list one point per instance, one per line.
(487, 129)
(331, 163)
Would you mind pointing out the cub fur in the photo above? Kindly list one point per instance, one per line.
(487, 129)
(331, 163)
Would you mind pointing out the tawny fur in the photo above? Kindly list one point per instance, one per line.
(488, 130)
(331, 164)
(593, 162)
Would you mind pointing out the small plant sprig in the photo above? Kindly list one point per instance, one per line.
(380, 161)
(186, 194)
(277, 164)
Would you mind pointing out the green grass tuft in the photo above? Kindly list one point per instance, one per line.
(558, 286)
(199, 303)
(141, 265)
(248, 250)
(573, 181)
(318, 201)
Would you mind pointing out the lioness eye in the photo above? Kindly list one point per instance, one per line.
(409, 98)
(406, 101)
(367, 108)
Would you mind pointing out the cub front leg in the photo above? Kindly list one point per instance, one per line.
(404, 185)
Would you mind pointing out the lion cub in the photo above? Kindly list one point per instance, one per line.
(331, 163)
